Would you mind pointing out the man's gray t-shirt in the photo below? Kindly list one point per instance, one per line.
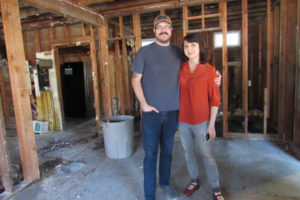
(159, 66)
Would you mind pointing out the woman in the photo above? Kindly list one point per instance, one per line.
(199, 102)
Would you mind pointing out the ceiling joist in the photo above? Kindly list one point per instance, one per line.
(72, 9)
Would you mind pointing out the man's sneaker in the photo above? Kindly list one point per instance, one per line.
(169, 192)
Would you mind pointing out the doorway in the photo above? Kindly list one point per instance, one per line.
(73, 90)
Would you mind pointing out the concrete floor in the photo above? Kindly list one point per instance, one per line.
(250, 169)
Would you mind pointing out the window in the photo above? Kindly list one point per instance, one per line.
(233, 39)
(147, 41)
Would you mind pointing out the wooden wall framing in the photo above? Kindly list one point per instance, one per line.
(20, 90)
(296, 134)
(224, 66)
(245, 62)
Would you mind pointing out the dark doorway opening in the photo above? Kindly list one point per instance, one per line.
(72, 82)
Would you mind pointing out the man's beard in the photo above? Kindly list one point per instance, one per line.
(163, 41)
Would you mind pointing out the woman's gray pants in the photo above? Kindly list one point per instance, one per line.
(192, 138)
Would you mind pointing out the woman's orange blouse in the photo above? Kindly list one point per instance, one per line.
(198, 92)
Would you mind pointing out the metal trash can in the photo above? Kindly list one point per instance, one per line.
(118, 134)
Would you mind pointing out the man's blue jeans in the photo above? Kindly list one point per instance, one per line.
(157, 129)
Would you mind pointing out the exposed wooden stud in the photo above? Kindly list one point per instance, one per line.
(37, 40)
(275, 74)
(297, 85)
(137, 42)
(203, 13)
(245, 61)
(3, 94)
(119, 79)
(282, 69)
(185, 24)
(203, 16)
(20, 90)
(121, 38)
(103, 34)
(223, 9)
(83, 28)
(204, 30)
(290, 67)
(67, 32)
(52, 36)
(72, 9)
(125, 66)
(269, 60)
(60, 120)
(137, 31)
(95, 76)
(4, 158)
(151, 7)
(72, 41)
(260, 43)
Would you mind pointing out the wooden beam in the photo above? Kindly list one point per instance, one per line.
(57, 62)
(72, 9)
(95, 76)
(297, 85)
(137, 31)
(121, 38)
(282, 68)
(119, 80)
(72, 41)
(290, 67)
(151, 7)
(275, 74)
(52, 36)
(4, 83)
(223, 10)
(245, 61)
(204, 30)
(17, 71)
(83, 28)
(103, 34)
(269, 60)
(185, 24)
(125, 65)
(4, 158)
(66, 32)
(37, 40)
(203, 14)
(137, 43)
(260, 47)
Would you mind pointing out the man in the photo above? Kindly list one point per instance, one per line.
(155, 82)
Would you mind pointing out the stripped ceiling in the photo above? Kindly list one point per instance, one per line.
(36, 16)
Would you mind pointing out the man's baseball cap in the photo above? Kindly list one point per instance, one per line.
(162, 18)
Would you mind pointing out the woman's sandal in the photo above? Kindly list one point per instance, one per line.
(218, 196)
(191, 188)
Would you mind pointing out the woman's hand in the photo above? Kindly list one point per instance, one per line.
(211, 131)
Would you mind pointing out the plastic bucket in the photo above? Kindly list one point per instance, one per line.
(118, 133)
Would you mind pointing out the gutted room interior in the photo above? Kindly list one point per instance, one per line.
(65, 67)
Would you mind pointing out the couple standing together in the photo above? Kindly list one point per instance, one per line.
(164, 84)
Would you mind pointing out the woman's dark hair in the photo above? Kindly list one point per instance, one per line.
(204, 52)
